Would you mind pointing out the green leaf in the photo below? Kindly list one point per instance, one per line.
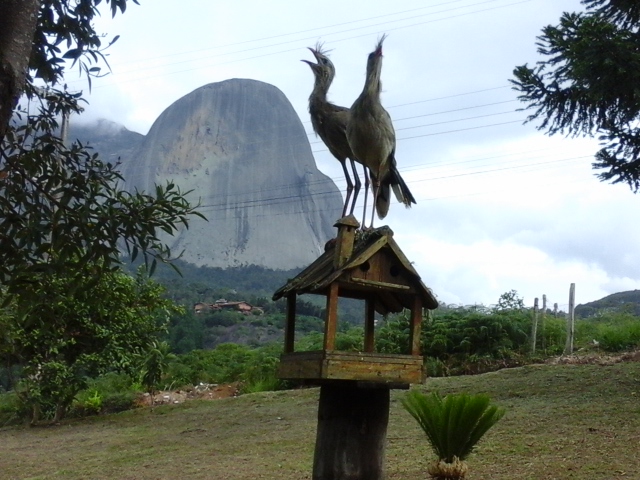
(453, 425)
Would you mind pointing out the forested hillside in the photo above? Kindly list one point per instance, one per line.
(252, 284)
(621, 302)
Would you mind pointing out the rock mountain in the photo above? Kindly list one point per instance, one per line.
(242, 150)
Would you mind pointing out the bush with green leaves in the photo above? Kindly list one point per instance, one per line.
(612, 332)
(392, 336)
(113, 392)
(453, 426)
(470, 332)
(74, 334)
(11, 408)
(155, 362)
(186, 332)
(255, 368)
(226, 363)
(260, 374)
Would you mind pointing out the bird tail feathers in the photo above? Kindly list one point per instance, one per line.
(400, 189)
(383, 200)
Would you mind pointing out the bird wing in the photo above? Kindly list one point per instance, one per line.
(333, 130)
(388, 139)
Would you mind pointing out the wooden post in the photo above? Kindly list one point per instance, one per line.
(568, 348)
(534, 327)
(290, 326)
(369, 325)
(543, 315)
(331, 322)
(351, 434)
(414, 329)
(344, 241)
(555, 310)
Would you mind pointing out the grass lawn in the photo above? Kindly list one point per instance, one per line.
(562, 422)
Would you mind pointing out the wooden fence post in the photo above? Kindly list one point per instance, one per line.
(534, 327)
(568, 348)
(543, 314)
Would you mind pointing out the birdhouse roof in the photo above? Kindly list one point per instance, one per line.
(375, 268)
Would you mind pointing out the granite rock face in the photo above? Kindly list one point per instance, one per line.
(241, 149)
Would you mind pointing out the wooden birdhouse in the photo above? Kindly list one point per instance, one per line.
(365, 265)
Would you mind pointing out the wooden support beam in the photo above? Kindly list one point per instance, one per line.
(369, 325)
(290, 325)
(387, 285)
(331, 321)
(351, 434)
(416, 323)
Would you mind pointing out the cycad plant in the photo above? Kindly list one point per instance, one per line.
(454, 425)
(155, 364)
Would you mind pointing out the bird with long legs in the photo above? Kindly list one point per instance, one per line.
(373, 140)
(330, 121)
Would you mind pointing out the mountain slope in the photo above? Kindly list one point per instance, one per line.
(242, 151)
(619, 302)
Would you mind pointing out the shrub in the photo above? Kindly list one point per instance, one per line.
(614, 332)
(453, 425)
(119, 401)
(10, 407)
(109, 393)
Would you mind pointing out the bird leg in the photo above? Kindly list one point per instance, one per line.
(349, 187)
(376, 189)
(366, 194)
(358, 184)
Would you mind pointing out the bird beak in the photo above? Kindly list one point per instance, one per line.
(378, 50)
(313, 66)
(315, 53)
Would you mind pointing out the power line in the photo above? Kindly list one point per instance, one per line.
(296, 201)
(306, 31)
(330, 180)
(311, 38)
(278, 200)
(442, 112)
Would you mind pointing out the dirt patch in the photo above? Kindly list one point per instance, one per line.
(203, 391)
(595, 359)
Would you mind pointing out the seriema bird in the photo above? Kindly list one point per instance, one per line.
(330, 124)
(373, 140)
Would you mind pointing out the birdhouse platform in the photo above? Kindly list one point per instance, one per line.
(358, 366)
(366, 265)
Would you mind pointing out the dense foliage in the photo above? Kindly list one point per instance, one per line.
(71, 335)
(61, 207)
(64, 218)
(586, 83)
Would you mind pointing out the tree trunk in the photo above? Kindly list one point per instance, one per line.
(18, 19)
(35, 414)
(352, 430)
(61, 410)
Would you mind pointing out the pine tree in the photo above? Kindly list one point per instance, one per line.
(587, 84)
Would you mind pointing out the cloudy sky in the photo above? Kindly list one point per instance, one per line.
(500, 205)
